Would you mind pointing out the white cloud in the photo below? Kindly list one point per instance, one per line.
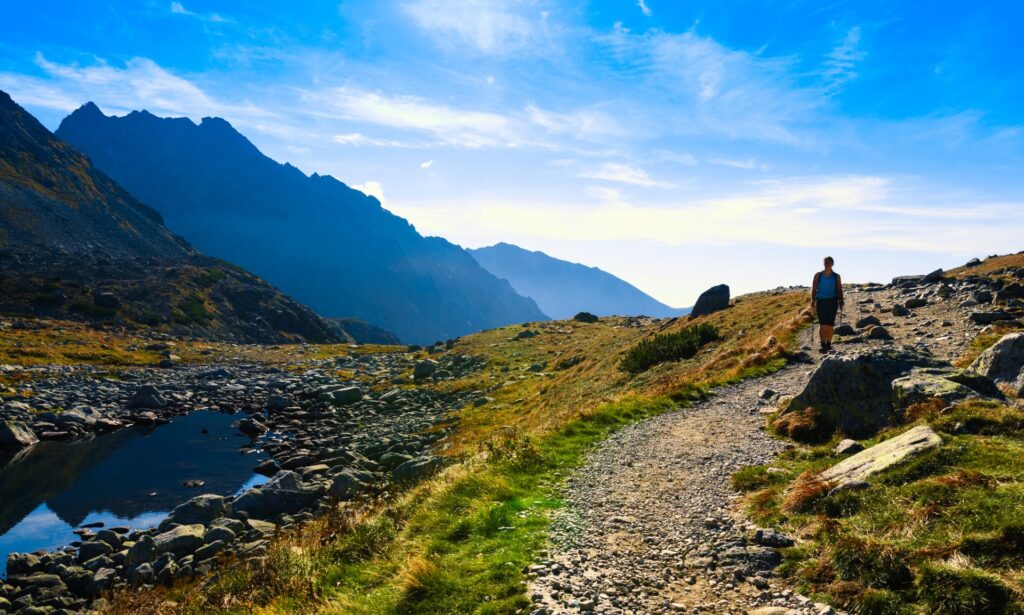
(179, 9)
(427, 164)
(490, 26)
(140, 84)
(449, 125)
(374, 189)
(643, 8)
(586, 124)
(358, 138)
(747, 164)
(841, 63)
(623, 173)
(852, 212)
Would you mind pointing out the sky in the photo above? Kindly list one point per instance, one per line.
(675, 144)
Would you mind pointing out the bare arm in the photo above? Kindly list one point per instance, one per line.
(814, 288)
(839, 288)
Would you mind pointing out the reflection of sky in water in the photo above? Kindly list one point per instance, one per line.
(129, 478)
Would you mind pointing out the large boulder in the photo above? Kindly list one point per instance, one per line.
(853, 392)
(424, 369)
(346, 395)
(201, 509)
(148, 396)
(180, 541)
(285, 493)
(1003, 364)
(881, 456)
(712, 300)
(415, 469)
(16, 435)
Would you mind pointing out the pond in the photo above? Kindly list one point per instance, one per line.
(133, 477)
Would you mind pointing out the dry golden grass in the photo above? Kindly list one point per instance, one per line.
(805, 490)
(757, 329)
(989, 266)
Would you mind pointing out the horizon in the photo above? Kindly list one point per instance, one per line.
(636, 137)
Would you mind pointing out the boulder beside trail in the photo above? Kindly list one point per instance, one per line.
(853, 392)
(881, 456)
(712, 300)
(1003, 363)
(929, 383)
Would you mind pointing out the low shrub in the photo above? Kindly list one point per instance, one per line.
(806, 425)
(665, 347)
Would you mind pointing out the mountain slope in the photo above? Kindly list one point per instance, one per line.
(74, 244)
(330, 246)
(562, 289)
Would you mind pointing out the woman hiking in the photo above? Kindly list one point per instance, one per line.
(827, 298)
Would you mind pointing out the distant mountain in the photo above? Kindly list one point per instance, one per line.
(562, 289)
(330, 246)
(74, 244)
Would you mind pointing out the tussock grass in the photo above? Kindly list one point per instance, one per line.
(940, 533)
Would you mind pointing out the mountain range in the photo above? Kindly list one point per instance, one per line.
(75, 244)
(333, 248)
(563, 289)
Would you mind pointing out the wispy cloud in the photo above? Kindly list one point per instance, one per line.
(140, 84)
(489, 26)
(374, 189)
(179, 9)
(358, 138)
(841, 64)
(446, 124)
(643, 8)
(747, 164)
(623, 173)
(426, 164)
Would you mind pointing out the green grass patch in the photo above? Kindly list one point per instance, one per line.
(941, 533)
(676, 346)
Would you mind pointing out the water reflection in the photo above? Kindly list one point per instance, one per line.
(131, 477)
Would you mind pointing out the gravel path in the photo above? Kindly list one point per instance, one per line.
(653, 510)
(653, 525)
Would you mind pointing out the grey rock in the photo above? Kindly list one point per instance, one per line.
(148, 396)
(201, 510)
(416, 469)
(882, 455)
(180, 541)
(848, 447)
(424, 369)
(853, 392)
(712, 300)
(868, 321)
(14, 434)
(1003, 363)
(143, 551)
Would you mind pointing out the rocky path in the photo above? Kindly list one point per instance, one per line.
(653, 525)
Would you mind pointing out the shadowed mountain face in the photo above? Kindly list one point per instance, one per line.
(331, 246)
(74, 244)
(562, 289)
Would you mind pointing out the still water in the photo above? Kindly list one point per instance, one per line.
(132, 477)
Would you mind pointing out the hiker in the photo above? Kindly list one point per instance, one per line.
(827, 299)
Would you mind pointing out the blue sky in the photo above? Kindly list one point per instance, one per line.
(675, 144)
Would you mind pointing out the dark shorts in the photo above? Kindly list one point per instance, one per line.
(827, 309)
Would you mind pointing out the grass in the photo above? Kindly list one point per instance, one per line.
(941, 533)
(461, 541)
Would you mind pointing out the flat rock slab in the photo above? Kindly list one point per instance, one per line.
(882, 455)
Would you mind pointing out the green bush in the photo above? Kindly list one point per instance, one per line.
(668, 347)
(881, 602)
(192, 309)
(962, 591)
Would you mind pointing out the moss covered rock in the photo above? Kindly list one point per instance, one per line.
(853, 392)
